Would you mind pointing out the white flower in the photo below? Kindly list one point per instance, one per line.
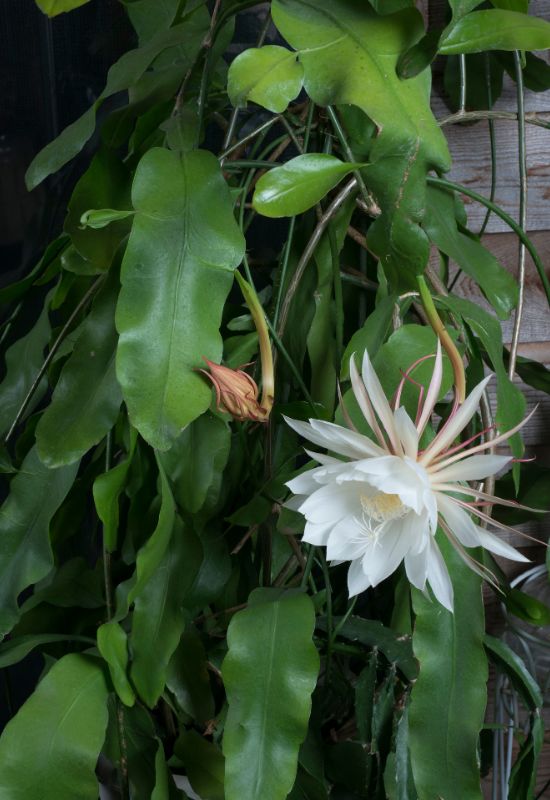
(380, 503)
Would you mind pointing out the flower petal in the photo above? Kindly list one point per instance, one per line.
(438, 577)
(498, 546)
(347, 540)
(385, 553)
(433, 391)
(416, 567)
(406, 430)
(474, 468)
(334, 437)
(357, 580)
(332, 502)
(455, 424)
(460, 524)
(364, 403)
(317, 533)
(380, 402)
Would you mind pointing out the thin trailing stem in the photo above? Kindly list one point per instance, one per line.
(326, 217)
(48, 360)
(462, 96)
(372, 206)
(522, 153)
(492, 143)
(207, 46)
(265, 126)
(337, 288)
(474, 116)
(518, 230)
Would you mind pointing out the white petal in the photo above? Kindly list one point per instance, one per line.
(380, 401)
(474, 468)
(501, 548)
(416, 567)
(438, 577)
(322, 458)
(455, 424)
(392, 475)
(334, 437)
(433, 391)
(357, 580)
(406, 430)
(304, 483)
(294, 503)
(384, 555)
(461, 525)
(317, 533)
(363, 401)
(347, 540)
(332, 502)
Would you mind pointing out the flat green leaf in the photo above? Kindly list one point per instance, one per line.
(150, 16)
(419, 56)
(105, 185)
(448, 699)
(23, 362)
(71, 584)
(150, 556)
(159, 618)
(497, 284)
(122, 75)
(536, 72)
(462, 7)
(187, 677)
(176, 274)
(42, 272)
(107, 489)
(495, 29)
(321, 339)
(54, 7)
(364, 698)
(112, 643)
(98, 218)
(50, 748)
(349, 54)
(372, 335)
(512, 5)
(512, 665)
(271, 76)
(16, 649)
(87, 397)
(524, 773)
(196, 461)
(36, 493)
(397, 649)
(299, 184)
(269, 674)
(204, 764)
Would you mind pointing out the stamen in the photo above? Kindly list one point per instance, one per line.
(406, 376)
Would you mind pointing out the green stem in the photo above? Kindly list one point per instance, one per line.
(338, 297)
(330, 628)
(340, 133)
(308, 567)
(457, 187)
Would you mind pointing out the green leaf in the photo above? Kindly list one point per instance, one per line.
(524, 772)
(176, 274)
(321, 339)
(536, 72)
(104, 185)
(271, 76)
(150, 556)
(71, 584)
(107, 489)
(196, 461)
(512, 5)
(462, 7)
(364, 698)
(16, 649)
(54, 7)
(112, 643)
(497, 284)
(512, 665)
(204, 764)
(122, 75)
(299, 184)
(23, 362)
(42, 272)
(187, 677)
(480, 93)
(372, 335)
(100, 218)
(150, 16)
(495, 29)
(36, 493)
(269, 674)
(349, 55)
(158, 620)
(62, 726)
(87, 397)
(453, 676)
(397, 649)
(419, 56)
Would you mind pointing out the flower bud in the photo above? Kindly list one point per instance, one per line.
(236, 393)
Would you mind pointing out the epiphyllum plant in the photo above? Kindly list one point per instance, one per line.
(383, 504)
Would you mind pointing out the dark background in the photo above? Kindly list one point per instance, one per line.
(51, 71)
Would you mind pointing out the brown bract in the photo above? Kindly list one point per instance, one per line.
(236, 392)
